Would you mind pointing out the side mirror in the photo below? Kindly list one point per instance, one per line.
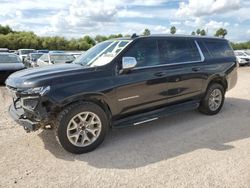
(128, 63)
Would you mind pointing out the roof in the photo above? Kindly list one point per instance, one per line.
(170, 36)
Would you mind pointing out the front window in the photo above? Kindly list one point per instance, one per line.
(102, 54)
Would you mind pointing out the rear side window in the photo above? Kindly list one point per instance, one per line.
(219, 49)
(178, 51)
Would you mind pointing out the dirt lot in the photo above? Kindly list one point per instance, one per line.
(184, 150)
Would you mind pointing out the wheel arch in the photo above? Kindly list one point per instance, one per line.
(220, 80)
(96, 98)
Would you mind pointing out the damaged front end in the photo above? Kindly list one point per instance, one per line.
(30, 107)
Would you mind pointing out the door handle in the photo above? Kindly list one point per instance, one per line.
(196, 69)
(160, 74)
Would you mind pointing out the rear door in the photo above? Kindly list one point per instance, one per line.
(183, 62)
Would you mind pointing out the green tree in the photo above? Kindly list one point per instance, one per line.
(203, 32)
(100, 38)
(221, 33)
(89, 40)
(5, 30)
(193, 33)
(198, 31)
(146, 32)
(173, 30)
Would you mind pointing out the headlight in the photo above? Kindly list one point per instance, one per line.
(36, 90)
(243, 60)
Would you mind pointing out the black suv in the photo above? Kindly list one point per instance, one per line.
(122, 82)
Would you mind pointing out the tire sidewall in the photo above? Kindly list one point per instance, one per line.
(204, 107)
(68, 115)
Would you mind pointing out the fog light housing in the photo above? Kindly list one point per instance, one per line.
(29, 103)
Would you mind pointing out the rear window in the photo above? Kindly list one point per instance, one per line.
(178, 51)
(9, 58)
(219, 49)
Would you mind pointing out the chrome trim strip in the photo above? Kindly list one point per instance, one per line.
(180, 63)
(148, 120)
(199, 49)
(127, 98)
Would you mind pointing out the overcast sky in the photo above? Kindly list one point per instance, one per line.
(75, 18)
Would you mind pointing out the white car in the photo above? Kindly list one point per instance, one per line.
(23, 53)
(242, 56)
(54, 58)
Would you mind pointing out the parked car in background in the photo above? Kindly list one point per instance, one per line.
(243, 57)
(56, 51)
(76, 54)
(54, 58)
(24, 52)
(9, 63)
(4, 50)
(31, 59)
(123, 82)
(43, 51)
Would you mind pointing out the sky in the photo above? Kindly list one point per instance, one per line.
(76, 18)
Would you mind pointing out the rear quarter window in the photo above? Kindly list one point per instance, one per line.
(219, 49)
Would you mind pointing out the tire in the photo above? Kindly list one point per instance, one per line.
(206, 107)
(72, 119)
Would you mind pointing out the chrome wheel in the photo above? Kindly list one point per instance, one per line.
(215, 99)
(83, 129)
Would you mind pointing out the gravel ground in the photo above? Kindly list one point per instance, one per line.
(184, 150)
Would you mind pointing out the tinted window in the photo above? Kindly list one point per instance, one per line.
(145, 51)
(219, 49)
(177, 51)
(9, 58)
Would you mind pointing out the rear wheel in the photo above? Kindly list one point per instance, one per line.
(81, 127)
(213, 101)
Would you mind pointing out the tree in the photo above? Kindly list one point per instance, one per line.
(203, 32)
(198, 31)
(146, 32)
(173, 30)
(89, 40)
(221, 33)
(100, 38)
(193, 33)
(5, 30)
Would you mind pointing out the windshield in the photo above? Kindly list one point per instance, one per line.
(247, 52)
(24, 52)
(9, 58)
(102, 53)
(35, 56)
(61, 58)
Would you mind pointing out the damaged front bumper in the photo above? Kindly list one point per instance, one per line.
(32, 111)
(19, 116)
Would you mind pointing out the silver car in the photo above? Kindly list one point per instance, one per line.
(54, 58)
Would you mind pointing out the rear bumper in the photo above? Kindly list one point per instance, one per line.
(20, 118)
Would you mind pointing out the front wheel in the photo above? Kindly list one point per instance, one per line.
(81, 127)
(213, 101)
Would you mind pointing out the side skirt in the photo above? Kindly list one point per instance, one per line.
(155, 114)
